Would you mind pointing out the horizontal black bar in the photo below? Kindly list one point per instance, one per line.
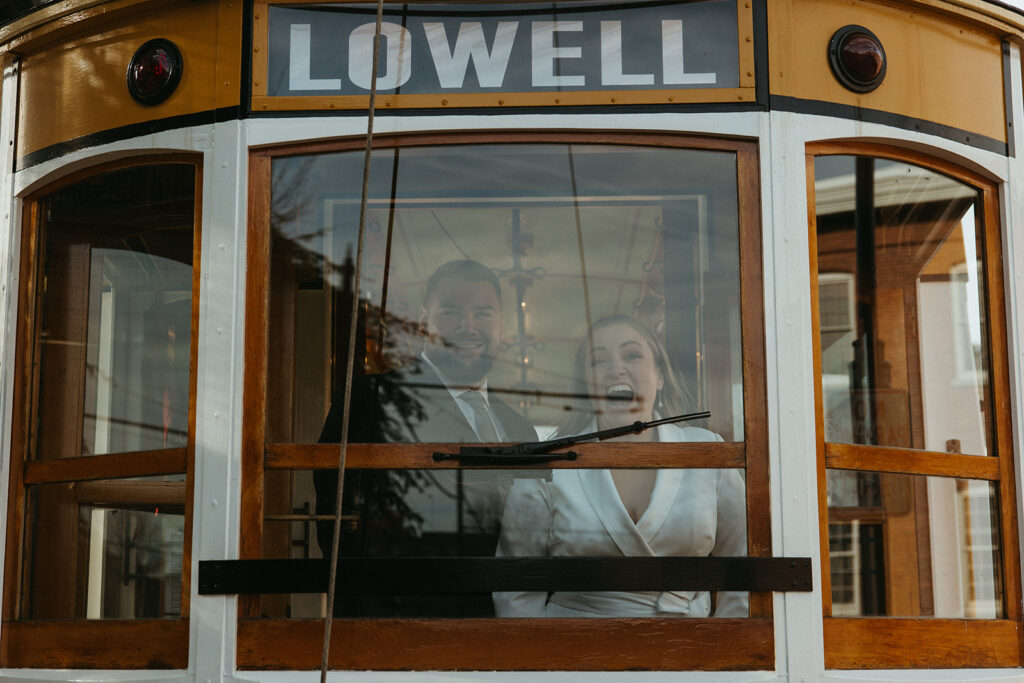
(462, 575)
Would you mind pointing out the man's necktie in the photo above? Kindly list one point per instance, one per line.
(481, 418)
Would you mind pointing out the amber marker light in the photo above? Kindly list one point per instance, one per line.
(857, 58)
(154, 71)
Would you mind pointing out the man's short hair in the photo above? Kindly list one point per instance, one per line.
(463, 270)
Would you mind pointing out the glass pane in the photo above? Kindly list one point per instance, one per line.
(571, 234)
(116, 313)
(510, 293)
(479, 513)
(914, 546)
(109, 549)
(902, 307)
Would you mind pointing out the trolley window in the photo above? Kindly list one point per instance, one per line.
(918, 503)
(511, 291)
(103, 427)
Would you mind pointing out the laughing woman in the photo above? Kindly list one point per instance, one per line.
(624, 370)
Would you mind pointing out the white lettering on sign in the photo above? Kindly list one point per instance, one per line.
(545, 53)
(470, 45)
(298, 63)
(673, 72)
(611, 58)
(548, 66)
(397, 58)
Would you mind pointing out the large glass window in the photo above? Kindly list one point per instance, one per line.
(917, 466)
(509, 293)
(102, 426)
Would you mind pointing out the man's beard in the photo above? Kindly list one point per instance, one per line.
(457, 371)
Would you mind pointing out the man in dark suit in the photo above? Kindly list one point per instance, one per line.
(442, 396)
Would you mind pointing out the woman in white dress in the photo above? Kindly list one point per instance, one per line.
(625, 371)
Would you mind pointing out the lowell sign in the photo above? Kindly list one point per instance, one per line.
(432, 49)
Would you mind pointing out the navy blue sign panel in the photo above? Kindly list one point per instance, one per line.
(429, 49)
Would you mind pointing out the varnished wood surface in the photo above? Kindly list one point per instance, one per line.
(139, 464)
(929, 643)
(387, 140)
(24, 373)
(909, 461)
(502, 644)
(193, 384)
(819, 410)
(591, 455)
(91, 644)
(891, 643)
(755, 407)
(254, 385)
(489, 644)
(142, 495)
(84, 644)
(1001, 410)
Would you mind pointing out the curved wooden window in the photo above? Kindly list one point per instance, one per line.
(99, 512)
(661, 229)
(917, 496)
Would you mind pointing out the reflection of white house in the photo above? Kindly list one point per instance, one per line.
(947, 332)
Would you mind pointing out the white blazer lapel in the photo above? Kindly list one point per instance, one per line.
(663, 497)
(604, 499)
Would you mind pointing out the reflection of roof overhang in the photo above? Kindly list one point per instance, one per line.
(893, 186)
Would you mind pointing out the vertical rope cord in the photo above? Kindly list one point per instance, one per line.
(579, 244)
(350, 361)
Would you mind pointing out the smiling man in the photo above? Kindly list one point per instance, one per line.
(442, 396)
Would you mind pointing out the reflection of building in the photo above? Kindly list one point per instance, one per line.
(898, 295)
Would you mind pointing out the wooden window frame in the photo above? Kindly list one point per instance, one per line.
(82, 643)
(508, 644)
(882, 642)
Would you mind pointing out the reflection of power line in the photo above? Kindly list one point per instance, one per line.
(135, 423)
(506, 390)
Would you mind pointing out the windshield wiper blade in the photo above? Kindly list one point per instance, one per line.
(536, 452)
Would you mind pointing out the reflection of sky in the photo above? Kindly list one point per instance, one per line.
(970, 253)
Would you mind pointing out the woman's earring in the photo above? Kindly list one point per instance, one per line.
(660, 404)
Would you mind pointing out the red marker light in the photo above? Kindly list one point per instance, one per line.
(857, 58)
(154, 71)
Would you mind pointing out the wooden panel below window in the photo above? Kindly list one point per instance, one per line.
(888, 643)
(95, 645)
(499, 644)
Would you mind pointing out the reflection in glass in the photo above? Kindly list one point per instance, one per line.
(480, 513)
(109, 549)
(575, 233)
(116, 313)
(901, 292)
(560, 237)
(913, 546)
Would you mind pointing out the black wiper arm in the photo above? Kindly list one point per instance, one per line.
(535, 452)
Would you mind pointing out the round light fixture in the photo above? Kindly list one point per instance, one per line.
(154, 71)
(857, 58)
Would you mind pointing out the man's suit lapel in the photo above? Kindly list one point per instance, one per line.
(441, 420)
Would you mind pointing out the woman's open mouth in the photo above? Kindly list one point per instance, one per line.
(621, 392)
